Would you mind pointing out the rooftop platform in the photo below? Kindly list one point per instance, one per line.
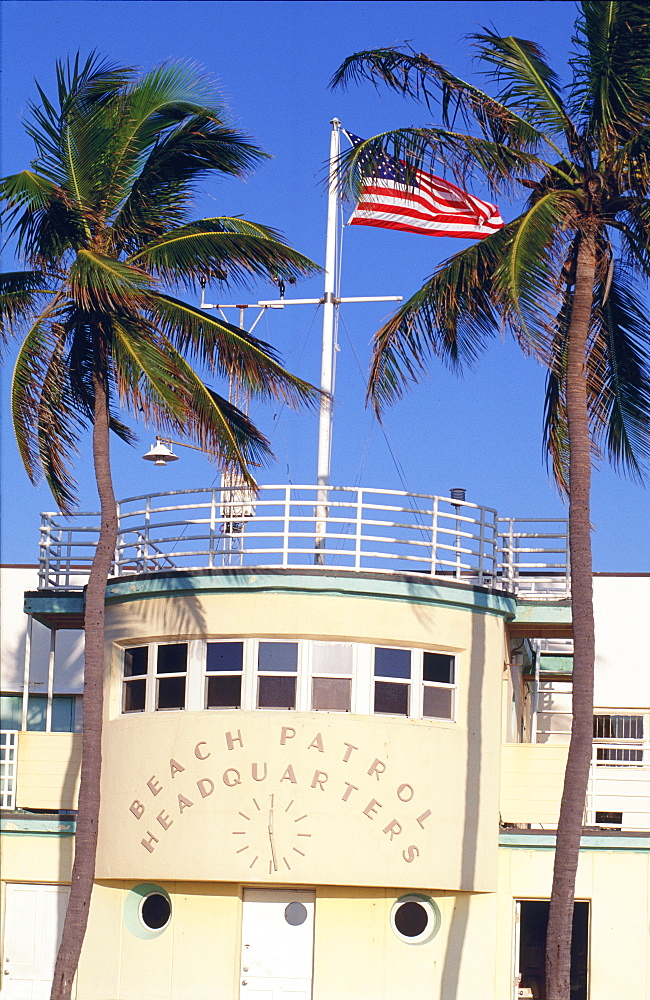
(348, 530)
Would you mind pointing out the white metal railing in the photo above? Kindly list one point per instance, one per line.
(8, 764)
(289, 526)
(533, 555)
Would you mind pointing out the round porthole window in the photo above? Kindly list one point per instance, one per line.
(295, 914)
(155, 911)
(415, 919)
(147, 910)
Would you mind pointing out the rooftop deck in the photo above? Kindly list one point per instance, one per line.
(344, 528)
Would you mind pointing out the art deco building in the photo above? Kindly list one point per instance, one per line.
(334, 744)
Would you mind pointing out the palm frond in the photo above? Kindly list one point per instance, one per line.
(619, 371)
(155, 380)
(101, 283)
(230, 351)
(20, 297)
(43, 342)
(452, 317)
(611, 89)
(529, 274)
(242, 250)
(416, 75)
(428, 148)
(158, 193)
(527, 83)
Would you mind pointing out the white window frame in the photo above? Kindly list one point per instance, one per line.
(362, 679)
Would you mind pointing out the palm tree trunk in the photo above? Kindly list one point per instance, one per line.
(558, 941)
(83, 872)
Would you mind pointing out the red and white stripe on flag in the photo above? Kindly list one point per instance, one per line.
(428, 205)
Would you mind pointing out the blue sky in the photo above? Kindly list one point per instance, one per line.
(271, 62)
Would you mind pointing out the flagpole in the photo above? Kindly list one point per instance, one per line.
(330, 318)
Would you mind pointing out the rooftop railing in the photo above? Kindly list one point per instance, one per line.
(325, 528)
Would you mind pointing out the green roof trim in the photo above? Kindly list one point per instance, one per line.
(534, 840)
(38, 825)
(412, 590)
(548, 612)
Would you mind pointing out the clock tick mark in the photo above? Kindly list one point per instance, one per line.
(256, 805)
(289, 806)
(237, 833)
(287, 863)
(253, 861)
(301, 853)
(242, 849)
(300, 817)
(304, 834)
(244, 816)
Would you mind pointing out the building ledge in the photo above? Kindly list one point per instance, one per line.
(593, 839)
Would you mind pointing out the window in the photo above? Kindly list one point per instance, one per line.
(392, 680)
(135, 679)
(624, 730)
(331, 676)
(415, 919)
(223, 674)
(438, 671)
(166, 687)
(66, 713)
(277, 664)
(171, 671)
(155, 911)
(306, 675)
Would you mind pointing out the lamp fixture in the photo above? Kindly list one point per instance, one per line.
(161, 452)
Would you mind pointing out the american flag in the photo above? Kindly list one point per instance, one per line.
(420, 203)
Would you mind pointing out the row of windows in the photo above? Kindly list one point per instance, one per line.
(306, 675)
(66, 713)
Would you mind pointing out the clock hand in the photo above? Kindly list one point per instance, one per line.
(273, 855)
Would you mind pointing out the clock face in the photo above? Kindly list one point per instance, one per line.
(272, 833)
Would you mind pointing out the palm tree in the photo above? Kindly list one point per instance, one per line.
(565, 277)
(101, 220)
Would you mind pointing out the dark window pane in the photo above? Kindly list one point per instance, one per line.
(439, 667)
(135, 661)
(392, 699)
(172, 659)
(171, 692)
(224, 692)
(63, 706)
(392, 662)
(156, 911)
(134, 695)
(411, 918)
(331, 694)
(438, 703)
(280, 656)
(277, 692)
(225, 656)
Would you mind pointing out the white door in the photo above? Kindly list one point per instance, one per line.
(277, 951)
(34, 917)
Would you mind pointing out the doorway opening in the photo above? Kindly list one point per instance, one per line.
(533, 921)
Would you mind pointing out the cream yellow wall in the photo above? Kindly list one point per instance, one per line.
(43, 857)
(616, 883)
(385, 801)
(532, 777)
(195, 958)
(451, 768)
(48, 770)
(372, 963)
(357, 956)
